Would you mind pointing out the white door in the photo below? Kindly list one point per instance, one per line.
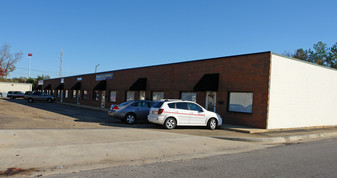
(78, 96)
(61, 96)
(142, 95)
(103, 100)
(211, 101)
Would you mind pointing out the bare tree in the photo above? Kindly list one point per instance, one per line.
(8, 60)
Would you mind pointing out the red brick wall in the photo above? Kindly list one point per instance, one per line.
(245, 73)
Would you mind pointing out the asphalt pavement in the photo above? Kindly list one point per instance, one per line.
(308, 159)
(45, 151)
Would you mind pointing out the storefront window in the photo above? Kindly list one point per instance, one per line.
(113, 96)
(240, 102)
(157, 96)
(142, 95)
(58, 93)
(74, 93)
(96, 95)
(130, 95)
(85, 94)
(189, 96)
(66, 94)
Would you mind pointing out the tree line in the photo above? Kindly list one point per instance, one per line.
(320, 54)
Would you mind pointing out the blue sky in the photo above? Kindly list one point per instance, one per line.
(132, 33)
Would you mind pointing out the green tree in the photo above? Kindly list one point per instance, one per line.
(301, 54)
(34, 81)
(320, 54)
(332, 60)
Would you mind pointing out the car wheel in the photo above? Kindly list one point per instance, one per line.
(30, 100)
(170, 123)
(130, 118)
(49, 100)
(212, 123)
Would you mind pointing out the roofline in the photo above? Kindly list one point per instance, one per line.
(307, 62)
(197, 60)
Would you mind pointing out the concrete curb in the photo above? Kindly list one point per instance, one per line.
(283, 139)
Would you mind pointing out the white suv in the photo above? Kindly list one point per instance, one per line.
(172, 113)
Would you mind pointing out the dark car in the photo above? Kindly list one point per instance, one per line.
(38, 96)
(15, 94)
(131, 111)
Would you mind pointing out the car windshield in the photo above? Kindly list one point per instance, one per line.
(158, 104)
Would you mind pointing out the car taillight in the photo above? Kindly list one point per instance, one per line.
(160, 111)
(115, 108)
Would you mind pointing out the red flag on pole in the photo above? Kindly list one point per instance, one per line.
(30, 54)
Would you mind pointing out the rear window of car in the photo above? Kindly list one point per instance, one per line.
(126, 103)
(158, 104)
(172, 105)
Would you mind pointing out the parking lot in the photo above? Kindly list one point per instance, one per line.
(19, 114)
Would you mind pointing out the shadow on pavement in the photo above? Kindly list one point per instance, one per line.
(89, 115)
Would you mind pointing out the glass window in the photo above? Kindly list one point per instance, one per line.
(58, 93)
(74, 93)
(195, 107)
(142, 95)
(85, 95)
(130, 95)
(143, 104)
(66, 94)
(240, 102)
(125, 103)
(157, 96)
(189, 96)
(113, 96)
(96, 95)
(158, 104)
(182, 106)
(172, 105)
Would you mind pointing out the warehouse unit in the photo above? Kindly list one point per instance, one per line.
(12, 86)
(248, 90)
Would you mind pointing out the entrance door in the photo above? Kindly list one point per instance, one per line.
(211, 101)
(103, 100)
(61, 96)
(78, 96)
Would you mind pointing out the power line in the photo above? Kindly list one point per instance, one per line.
(71, 73)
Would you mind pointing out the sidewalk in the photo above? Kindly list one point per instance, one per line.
(52, 151)
(280, 135)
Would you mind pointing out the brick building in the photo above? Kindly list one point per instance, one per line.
(257, 90)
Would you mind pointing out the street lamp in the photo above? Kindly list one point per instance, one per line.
(96, 68)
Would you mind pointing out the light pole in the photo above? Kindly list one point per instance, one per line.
(29, 56)
(96, 68)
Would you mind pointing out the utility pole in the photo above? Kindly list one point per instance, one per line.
(96, 68)
(29, 56)
(61, 59)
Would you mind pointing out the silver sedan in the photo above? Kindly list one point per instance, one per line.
(131, 111)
